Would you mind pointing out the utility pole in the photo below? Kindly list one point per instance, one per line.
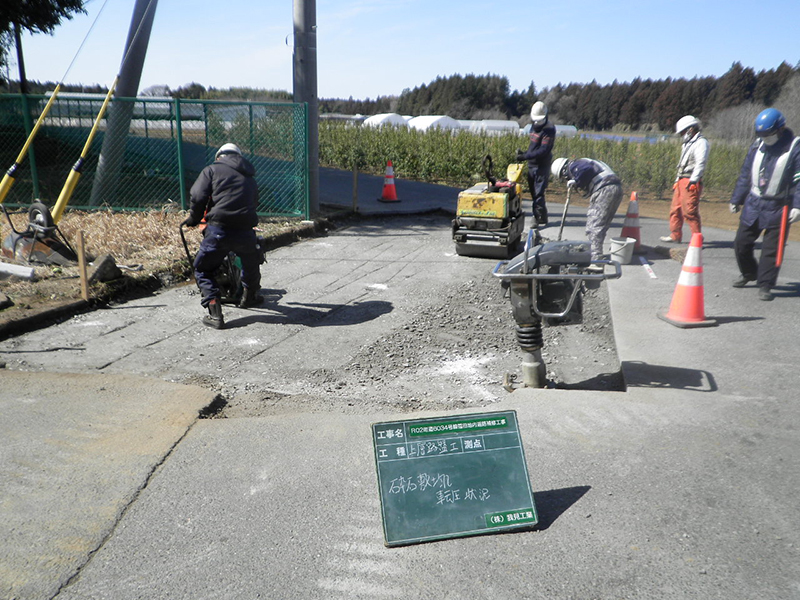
(305, 86)
(26, 111)
(23, 80)
(119, 119)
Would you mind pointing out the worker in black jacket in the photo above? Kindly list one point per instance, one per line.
(539, 156)
(226, 194)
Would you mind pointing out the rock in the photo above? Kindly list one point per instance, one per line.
(104, 269)
(5, 301)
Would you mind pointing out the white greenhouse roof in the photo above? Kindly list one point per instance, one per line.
(385, 119)
(426, 122)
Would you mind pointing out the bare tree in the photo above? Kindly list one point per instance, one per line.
(734, 124)
(157, 91)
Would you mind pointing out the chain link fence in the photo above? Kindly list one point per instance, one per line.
(148, 151)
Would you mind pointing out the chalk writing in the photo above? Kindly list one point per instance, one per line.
(422, 482)
(441, 484)
(433, 448)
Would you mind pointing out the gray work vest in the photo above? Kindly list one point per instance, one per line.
(606, 172)
(775, 188)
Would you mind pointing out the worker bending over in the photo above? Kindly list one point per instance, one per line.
(596, 180)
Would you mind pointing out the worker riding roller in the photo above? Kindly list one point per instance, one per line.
(539, 155)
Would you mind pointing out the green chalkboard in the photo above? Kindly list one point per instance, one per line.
(452, 476)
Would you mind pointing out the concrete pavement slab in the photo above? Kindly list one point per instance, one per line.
(75, 450)
(635, 501)
(682, 487)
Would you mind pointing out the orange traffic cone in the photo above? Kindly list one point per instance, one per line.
(389, 191)
(687, 308)
(630, 228)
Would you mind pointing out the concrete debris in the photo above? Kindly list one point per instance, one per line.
(104, 269)
(9, 270)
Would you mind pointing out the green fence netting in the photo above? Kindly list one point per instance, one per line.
(148, 151)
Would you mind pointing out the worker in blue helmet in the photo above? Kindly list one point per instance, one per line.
(768, 181)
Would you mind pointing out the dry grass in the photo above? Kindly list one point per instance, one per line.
(148, 242)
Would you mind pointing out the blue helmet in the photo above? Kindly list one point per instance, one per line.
(769, 121)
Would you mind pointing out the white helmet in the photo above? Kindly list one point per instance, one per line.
(538, 113)
(685, 122)
(227, 149)
(559, 168)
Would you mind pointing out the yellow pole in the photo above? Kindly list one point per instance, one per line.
(75, 174)
(8, 178)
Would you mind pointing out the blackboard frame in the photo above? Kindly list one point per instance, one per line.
(452, 476)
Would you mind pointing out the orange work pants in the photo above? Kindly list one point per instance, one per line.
(685, 207)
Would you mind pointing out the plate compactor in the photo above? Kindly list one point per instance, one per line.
(489, 218)
(544, 284)
(229, 274)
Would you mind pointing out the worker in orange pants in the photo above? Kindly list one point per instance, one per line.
(688, 186)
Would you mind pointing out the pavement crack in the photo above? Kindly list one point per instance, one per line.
(124, 510)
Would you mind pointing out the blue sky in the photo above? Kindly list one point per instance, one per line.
(370, 48)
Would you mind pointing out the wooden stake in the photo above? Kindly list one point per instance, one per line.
(82, 268)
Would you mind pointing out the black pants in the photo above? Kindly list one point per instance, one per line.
(537, 184)
(764, 271)
(216, 244)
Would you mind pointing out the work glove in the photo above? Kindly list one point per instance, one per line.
(692, 187)
(734, 208)
(520, 155)
(572, 183)
(190, 222)
(674, 186)
(794, 215)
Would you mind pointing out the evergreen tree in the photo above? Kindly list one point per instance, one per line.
(735, 87)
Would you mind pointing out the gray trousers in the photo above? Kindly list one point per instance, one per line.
(603, 206)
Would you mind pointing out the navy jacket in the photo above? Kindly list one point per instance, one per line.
(540, 150)
(767, 211)
(585, 170)
(226, 193)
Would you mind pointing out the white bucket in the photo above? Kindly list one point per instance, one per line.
(622, 249)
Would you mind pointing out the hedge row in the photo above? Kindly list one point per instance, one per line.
(439, 156)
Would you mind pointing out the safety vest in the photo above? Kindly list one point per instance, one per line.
(605, 172)
(775, 189)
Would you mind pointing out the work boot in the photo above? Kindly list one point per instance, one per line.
(214, 317)
(250, 298)
(742, 281)
(765, 294)
(669, 239)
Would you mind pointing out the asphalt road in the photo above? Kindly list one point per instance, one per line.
(684, 486)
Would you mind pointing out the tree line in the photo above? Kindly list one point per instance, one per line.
(641, 104)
